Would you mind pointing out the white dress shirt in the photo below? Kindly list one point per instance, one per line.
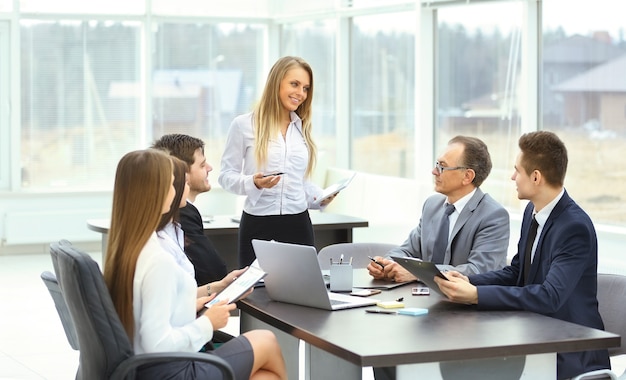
(542, 217)
(459, 205)
(164, 305)
(293, 194)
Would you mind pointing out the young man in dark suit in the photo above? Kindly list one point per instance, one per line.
(555, 271)
(207, 263)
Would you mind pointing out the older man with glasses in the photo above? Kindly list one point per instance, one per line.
(461, 228)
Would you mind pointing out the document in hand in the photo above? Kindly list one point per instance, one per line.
(238, 287)
(424, 271)
(334, 188)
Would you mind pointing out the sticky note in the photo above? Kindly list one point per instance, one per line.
(390, 304)
(413, 311)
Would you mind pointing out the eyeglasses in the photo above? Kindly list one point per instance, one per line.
(440, 168)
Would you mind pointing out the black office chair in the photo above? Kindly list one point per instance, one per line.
(612, 306)
(105, 350)
(50, 280)
(357, 251)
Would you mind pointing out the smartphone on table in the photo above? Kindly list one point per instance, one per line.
(420, 291)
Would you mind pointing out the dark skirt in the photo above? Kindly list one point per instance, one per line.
(237, 352)
(294, 228)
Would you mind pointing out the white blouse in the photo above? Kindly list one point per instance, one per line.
(164, 305)
(293, 194)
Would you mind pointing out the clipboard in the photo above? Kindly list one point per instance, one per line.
(237, 288)
(334, 188)
(425, 271)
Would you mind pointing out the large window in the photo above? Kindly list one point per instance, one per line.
(74, 124)
(204, 75)
(477, 84)
(83, 94)
(382, 94)
(584, 100)
(315, 42)
(88, 82)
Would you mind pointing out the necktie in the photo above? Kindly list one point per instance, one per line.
(439, 251)
(530, 240)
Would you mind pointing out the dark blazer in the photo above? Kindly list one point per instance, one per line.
(207, 263)
(562, 283)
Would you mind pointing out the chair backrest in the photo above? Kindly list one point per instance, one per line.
(55, 252)
(50, 280)
(358, 252)
(612, 306)
(102, 339)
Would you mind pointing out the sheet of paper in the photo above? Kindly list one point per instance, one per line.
(334, 188)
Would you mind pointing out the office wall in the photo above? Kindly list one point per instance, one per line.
(30, 222)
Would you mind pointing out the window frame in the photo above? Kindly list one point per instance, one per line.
(5, 106)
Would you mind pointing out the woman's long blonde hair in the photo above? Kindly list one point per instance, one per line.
(142, 183)
(267, 113)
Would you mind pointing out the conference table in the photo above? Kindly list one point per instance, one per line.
(451, 341)
(223, 231)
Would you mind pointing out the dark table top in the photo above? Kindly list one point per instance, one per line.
(225, 223)
(448, 332)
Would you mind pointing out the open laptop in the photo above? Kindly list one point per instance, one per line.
(294, 276)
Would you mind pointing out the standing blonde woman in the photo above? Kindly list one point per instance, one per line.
(154, 297)
(270, 156)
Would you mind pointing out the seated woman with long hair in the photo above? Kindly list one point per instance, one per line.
(172, 239)
(156, 299)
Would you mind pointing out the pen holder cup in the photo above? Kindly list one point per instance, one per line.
(341, 277)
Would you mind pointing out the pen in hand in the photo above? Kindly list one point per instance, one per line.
(379, 263)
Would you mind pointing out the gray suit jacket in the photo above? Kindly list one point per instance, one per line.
(479, 241)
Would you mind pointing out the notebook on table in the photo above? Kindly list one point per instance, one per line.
(294, 276)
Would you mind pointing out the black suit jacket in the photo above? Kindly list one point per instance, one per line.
(208, 264)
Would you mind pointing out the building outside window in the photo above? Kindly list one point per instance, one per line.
(203, 76)
(477, 68)
(584, 97)
(314, 41)
(382, 94)
(74, 127)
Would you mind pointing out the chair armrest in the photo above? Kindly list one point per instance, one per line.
(597, 374)
(128, 366)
